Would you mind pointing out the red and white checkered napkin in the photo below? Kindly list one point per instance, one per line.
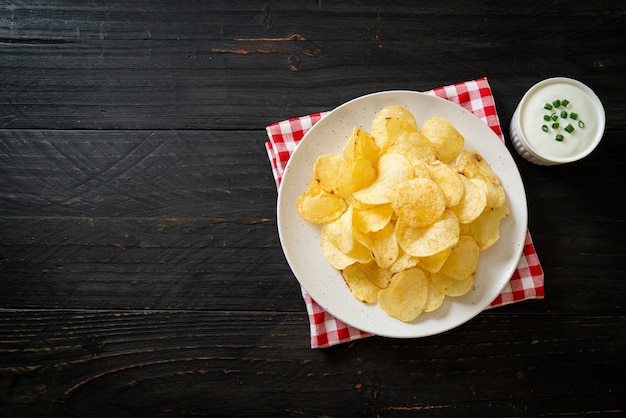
(475, 96)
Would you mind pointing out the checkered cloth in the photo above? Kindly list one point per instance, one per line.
(475, 96)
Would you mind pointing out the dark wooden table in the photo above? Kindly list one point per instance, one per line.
(140, 267)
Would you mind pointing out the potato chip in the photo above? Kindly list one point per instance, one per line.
(452, 287)
(360, 175)
(372, 218)
(361, 145)
(339, 232)
(486, 228)
(406, 296)
(337, 258)
(414, 146)
(423, 242)
(494, 193)
(332, 254)
(463, 259)
(418, 202)
(365, 281)
(328, 170)
(390, 122)
(318, 206)
(472, 164)
(448, 180)
(392, 169)
(472, 202)
(404, 261)
(435, 298)
(421, 169)
(382, 244)
(434, 262)
(446, 140)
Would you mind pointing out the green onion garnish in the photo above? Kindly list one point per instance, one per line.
(555, 125)
(573, 115)
(563, 114)
(581, 124)
(546, 117)
(547, 106)
(559, 137)
(544, 128)
(569, 128)
(556, 103)
(565, 102)
(554, 116)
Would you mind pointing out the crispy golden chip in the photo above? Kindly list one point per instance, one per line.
(463, 260)
(318, 206)
(337, 258)
(493, 192)
(486, 228)
(339, 232)
(406, 296)
(424, 242)
(435, 298)
(372, 218)
(472, 202)
(472, 164)
(328, 170)
(361, 145)
(332, 254)
(414, 146)
(360, 175)
(390, 122)
(452, 287)
(448, 180)
(392, 169)
(404, 261)
(421, 169)
(418, 202)
(434, 262)
(382, 244)
(446, 140)
(365, 281)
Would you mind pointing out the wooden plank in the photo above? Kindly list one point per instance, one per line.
(89, 68)
(142, 174)
(213, 264)
(225, 264)
(155, 362)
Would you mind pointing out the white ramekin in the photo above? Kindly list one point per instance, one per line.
(525, 148)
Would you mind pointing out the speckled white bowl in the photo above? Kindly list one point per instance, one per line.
(524, 146)
(300, 240)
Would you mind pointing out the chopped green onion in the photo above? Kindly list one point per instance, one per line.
(556, 103)
(546, 117)
(581, 124)
(563, 114)
(573, 115)
(554, 116)
(555, 125)
(544, 128)
(569, 128)
(565, 102)
(547, 106)
(559, 137)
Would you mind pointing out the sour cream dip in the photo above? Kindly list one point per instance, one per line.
(559, 120)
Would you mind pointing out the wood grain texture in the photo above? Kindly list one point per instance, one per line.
(141, 272)
(151, 362)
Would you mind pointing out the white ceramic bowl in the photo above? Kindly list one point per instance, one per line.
(538, 145)
(300, 239)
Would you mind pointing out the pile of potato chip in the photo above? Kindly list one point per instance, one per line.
(404, 213)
